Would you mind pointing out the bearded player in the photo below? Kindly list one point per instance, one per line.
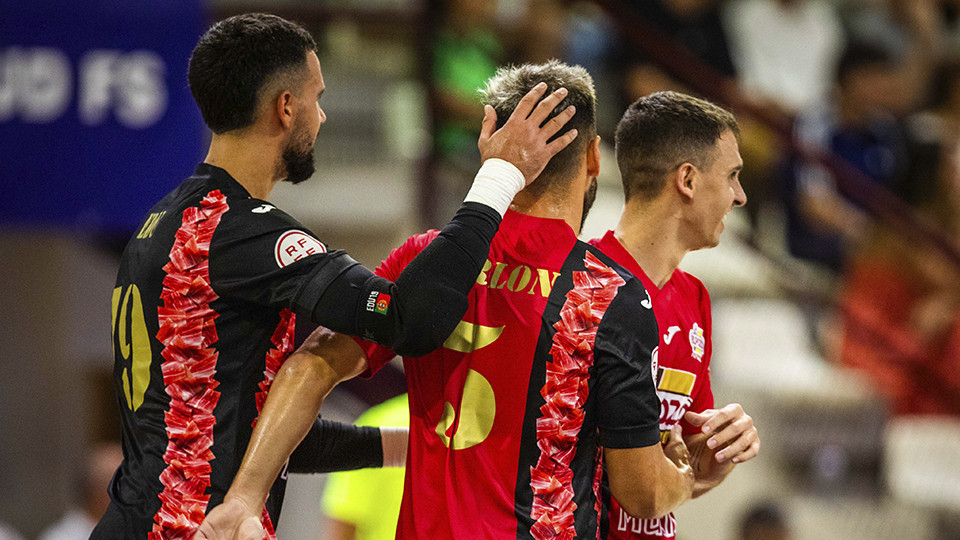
(680, 165)
(547, 375)
(209, 287)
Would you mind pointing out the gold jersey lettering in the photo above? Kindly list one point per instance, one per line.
(546, 282)
(517, 278)
(496, 276)
(482, 278)
(150, 225)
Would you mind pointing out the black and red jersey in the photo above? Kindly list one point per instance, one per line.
(682, 307)
(551, 362)
(201, 325)
(203, 318)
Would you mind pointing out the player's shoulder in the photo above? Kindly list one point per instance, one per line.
(247, 217)
(401, 256)
(628, 311)
(628, 297)
(690, 286)
(255, 222)
(631, 286)
(417, 242)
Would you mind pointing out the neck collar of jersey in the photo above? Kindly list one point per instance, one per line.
(612, 247)
(222, 180)
(549, 226)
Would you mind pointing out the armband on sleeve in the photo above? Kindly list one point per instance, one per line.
(332, 446)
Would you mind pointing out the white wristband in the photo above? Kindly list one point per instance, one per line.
(496, 184)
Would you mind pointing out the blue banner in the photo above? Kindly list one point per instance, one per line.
(96, 118)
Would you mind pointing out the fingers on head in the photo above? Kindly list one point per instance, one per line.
(528, 101)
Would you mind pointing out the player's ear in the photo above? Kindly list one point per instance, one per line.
(283, 107)
(593, 158)
(685, 177)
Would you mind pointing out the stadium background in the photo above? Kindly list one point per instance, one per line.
(96, 123)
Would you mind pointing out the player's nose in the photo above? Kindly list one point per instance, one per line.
(739, 196)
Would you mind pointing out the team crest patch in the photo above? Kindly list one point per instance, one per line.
(697, 342)
(295, 245)
(378, 302)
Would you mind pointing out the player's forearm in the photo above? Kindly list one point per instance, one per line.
(676, 486)
(646, 483)
(290, 410)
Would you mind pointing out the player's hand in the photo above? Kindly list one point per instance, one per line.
(231, 520)
(676, 450)
(522, 141)
(733, 436)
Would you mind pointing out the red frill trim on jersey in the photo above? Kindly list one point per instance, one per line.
(565, 393)
(188, 332)
(597, 480)
(282, 340)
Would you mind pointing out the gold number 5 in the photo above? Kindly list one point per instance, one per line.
(478, 405)
(130, 337)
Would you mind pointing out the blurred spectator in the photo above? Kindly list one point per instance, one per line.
(692, 24)
(856, 125)
(911, 30)
(78, 522)
(901, 311)
(906, 338)
(543, 33)
(785, 51)
(466, 53)
(764, 521)
(466, 50)
(365, 504)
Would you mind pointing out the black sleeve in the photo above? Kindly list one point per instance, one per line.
(332, 446)
(268, 258)
(417, 313)
(627, 338)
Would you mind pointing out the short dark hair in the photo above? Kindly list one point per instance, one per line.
(662, 131)
(505, 89)
(236, 58)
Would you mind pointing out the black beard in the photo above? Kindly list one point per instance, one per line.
(588, 198)
(299, 164)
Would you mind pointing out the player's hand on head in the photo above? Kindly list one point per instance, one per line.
(522, 140)
(231, 520)
(733, 435)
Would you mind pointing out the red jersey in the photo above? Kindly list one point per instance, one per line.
(551, 362)
(682, 308)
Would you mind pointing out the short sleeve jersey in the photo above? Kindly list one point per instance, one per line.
(202, 320)
(507, 419)
(682, 308)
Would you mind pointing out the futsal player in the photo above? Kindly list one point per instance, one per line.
(209, 287)
(680, 164)
(548, 374)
